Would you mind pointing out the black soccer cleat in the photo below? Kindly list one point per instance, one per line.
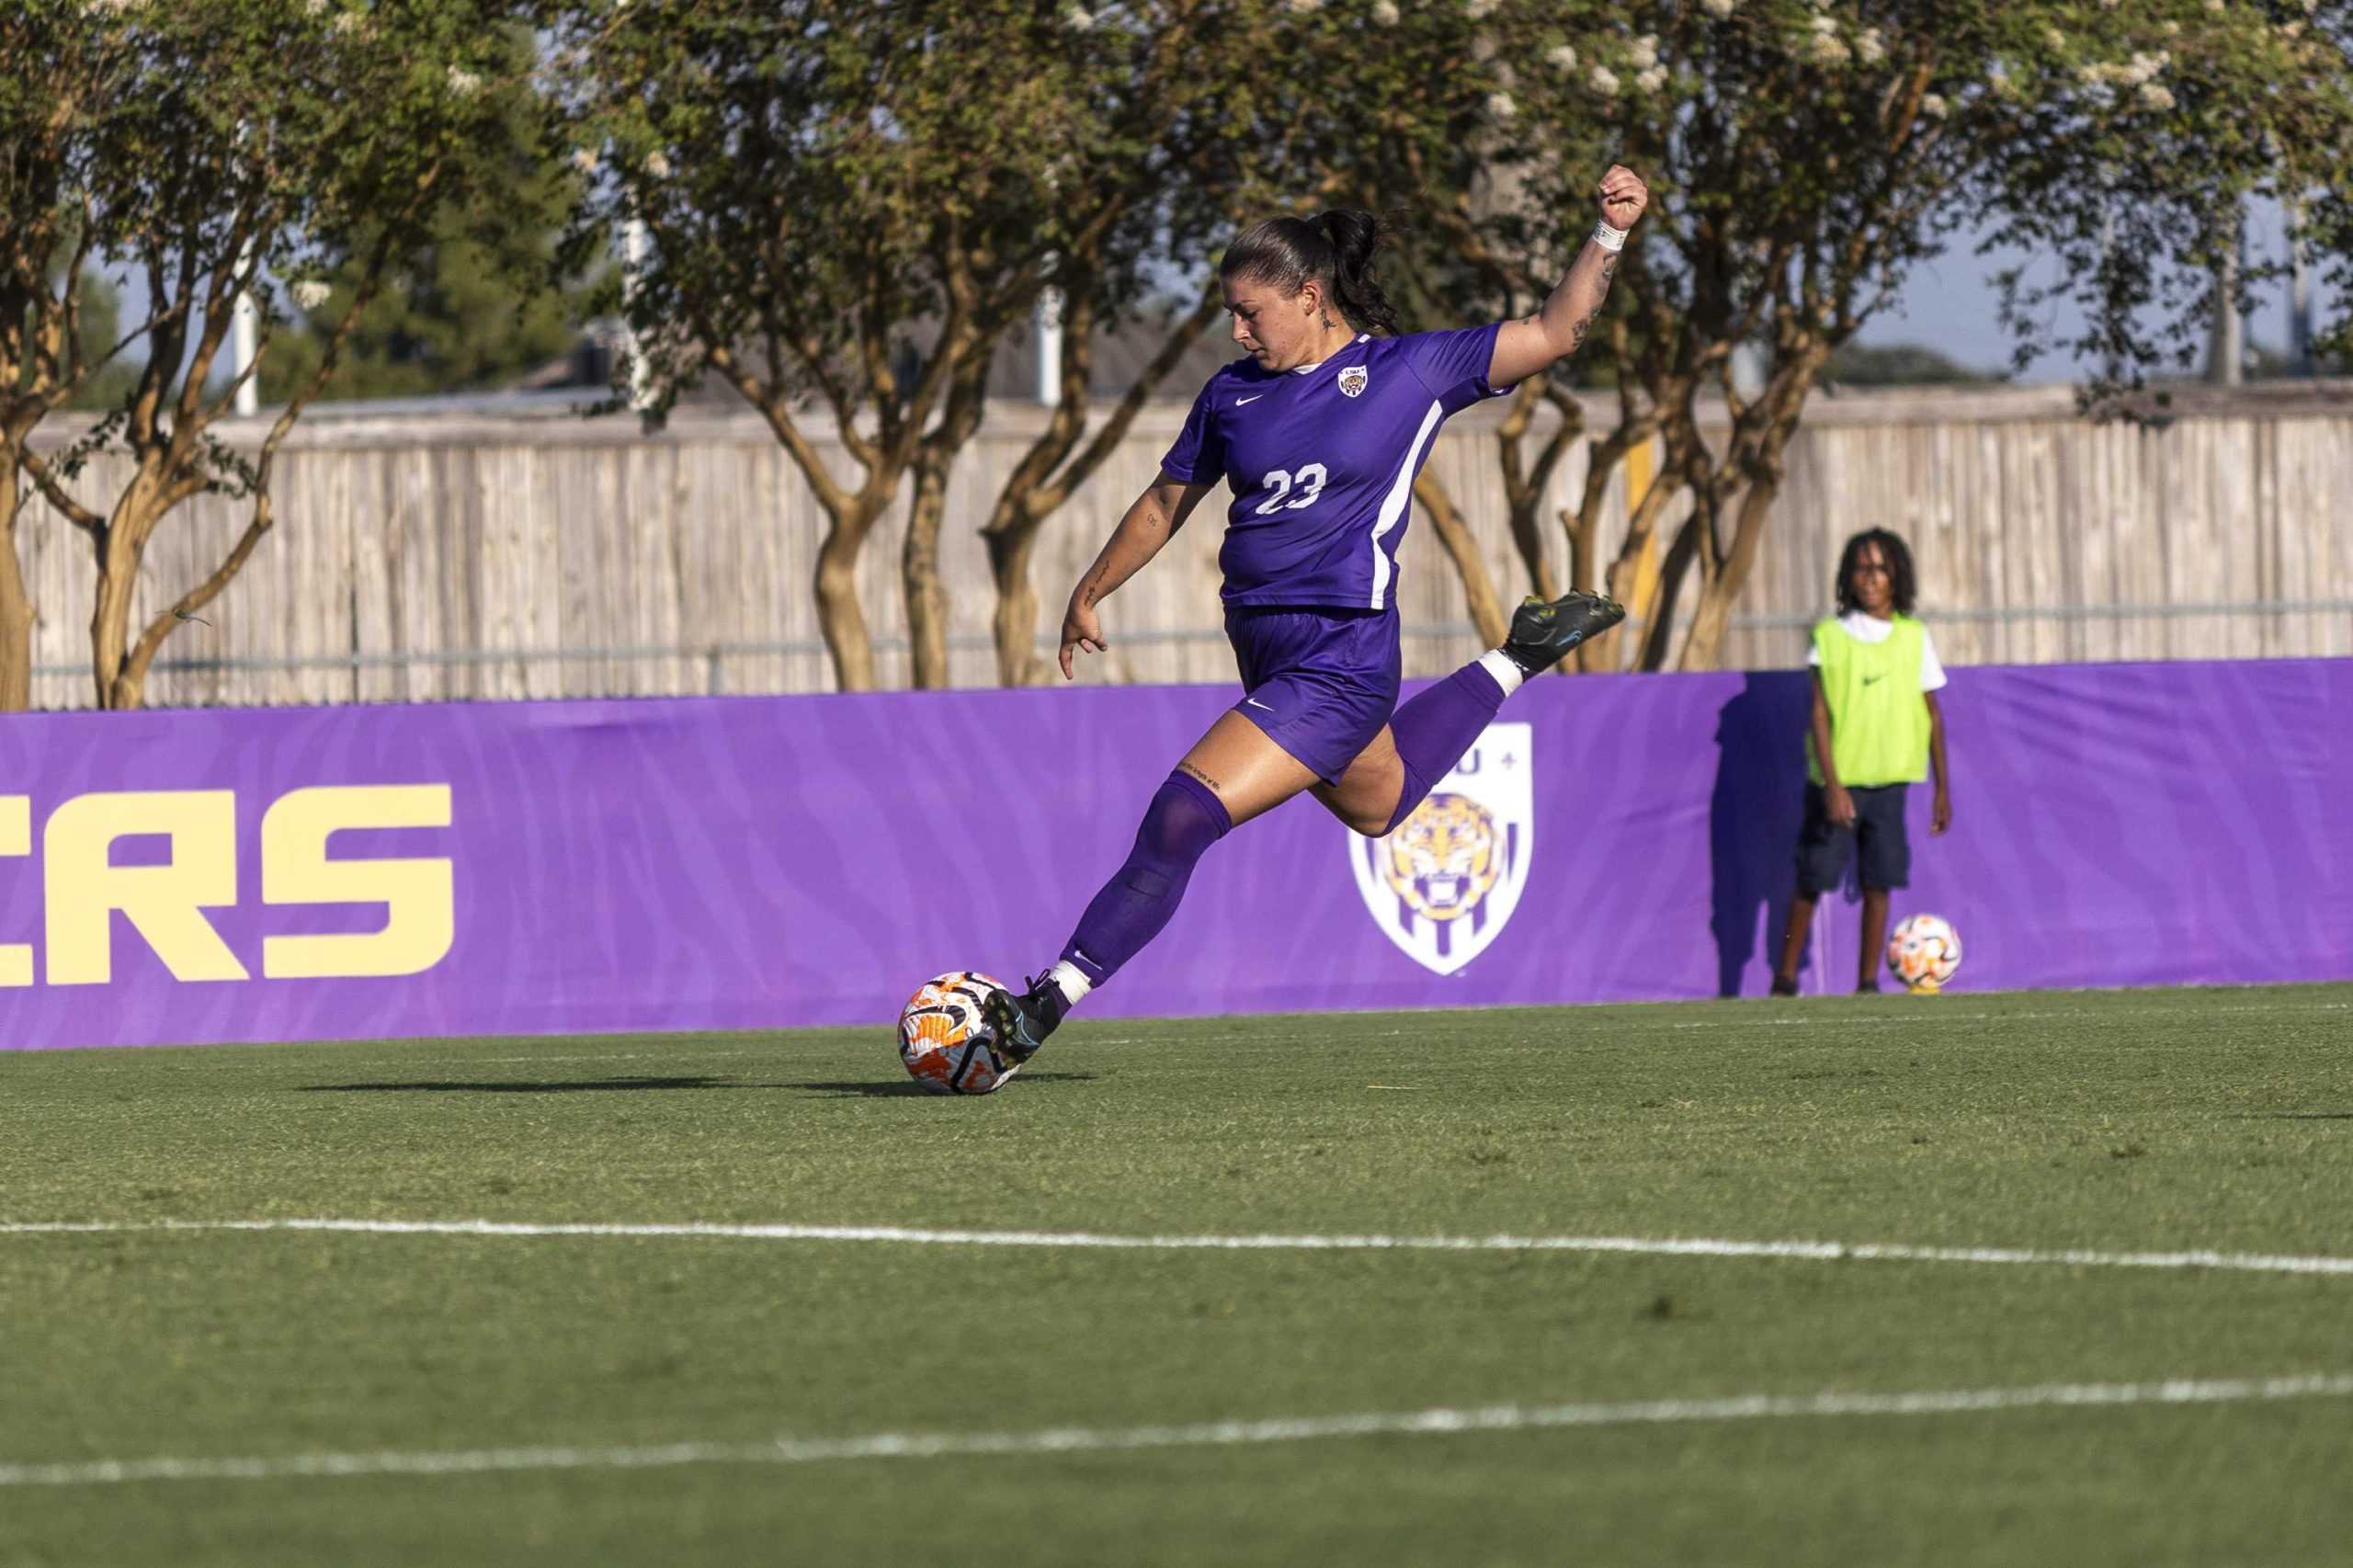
(1543, 633)
(1022, 1023)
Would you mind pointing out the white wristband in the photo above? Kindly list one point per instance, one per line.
(1609, 238)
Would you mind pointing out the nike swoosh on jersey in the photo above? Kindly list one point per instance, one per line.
(1252, 398)
(1868, 679)
(1254, 702)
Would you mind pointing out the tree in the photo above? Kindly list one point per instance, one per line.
(63, 72)
(849, 206)
(1803, 156)
(1900, 364)
(239, 147)
(476, 306)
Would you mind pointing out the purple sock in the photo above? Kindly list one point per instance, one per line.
(1184, 818)
(1434, 728)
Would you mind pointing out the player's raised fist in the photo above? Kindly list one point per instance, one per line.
(1623, 197)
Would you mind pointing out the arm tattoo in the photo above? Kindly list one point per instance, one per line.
(1585, 323)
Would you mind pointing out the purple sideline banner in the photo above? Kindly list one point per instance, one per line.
(765, 862)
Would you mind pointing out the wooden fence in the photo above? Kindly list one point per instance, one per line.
(459, 556)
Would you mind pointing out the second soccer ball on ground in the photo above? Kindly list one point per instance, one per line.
(1924, 951)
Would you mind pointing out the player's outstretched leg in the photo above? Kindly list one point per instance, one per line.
(1184, 818)
(1433, 731)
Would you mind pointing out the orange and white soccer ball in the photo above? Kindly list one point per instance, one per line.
(1924, 950)
(947, 1045)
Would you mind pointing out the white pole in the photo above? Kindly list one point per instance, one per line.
(244, 331)
(636, 246)
(1049, 347)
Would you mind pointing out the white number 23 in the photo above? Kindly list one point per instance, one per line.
(1309, 480)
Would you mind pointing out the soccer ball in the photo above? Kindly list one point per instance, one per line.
(947, 1045)
(1924, 951)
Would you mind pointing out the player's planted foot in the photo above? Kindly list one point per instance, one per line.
(1541, 632)
(1023, 1022)
(1782, 987)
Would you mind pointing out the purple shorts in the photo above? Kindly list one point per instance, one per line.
(1320, 682)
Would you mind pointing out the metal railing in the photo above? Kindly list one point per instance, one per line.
(714, 656)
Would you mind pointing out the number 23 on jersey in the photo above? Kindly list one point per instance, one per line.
(1309, 478)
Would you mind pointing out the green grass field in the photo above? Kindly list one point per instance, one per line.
(611, 1397)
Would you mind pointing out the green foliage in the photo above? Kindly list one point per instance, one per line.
(820, 178)
(1900, 364)
(1805, 156)
(475, 304)
(250, 142)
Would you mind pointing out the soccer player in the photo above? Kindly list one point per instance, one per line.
(1876, 728)
(1320, 430)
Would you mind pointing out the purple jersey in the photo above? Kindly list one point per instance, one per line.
(1322, 461)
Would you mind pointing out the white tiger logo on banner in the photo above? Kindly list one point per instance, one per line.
(1444, 884)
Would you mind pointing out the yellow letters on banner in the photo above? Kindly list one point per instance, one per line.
(165, 904)
(418, 895)
(16, 838)
(82, 889)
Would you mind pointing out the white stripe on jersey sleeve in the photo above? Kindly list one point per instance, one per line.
(1392, 506)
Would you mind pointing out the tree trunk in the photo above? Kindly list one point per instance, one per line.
(1679, 556)
(1478, 588)
(1710, 619)
(1524, 490)
(919, 579)
(1703, 650)
(111, 634)
(15, 604)
(1015, 625)
(838, 615)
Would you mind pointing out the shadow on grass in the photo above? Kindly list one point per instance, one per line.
(890, 1089)
(575, 1086)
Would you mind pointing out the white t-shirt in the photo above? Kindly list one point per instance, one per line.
(1870, 629)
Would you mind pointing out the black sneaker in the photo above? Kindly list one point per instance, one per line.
(1541, 632)
(1023, 1022)
(1784, 987)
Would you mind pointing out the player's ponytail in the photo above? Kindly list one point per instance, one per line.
(1335, 249)
(1354, 236)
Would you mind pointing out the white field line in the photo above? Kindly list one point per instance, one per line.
(1112, 1440)
(1828, 1252)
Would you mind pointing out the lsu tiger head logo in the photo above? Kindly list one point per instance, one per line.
(1353, 380)
(1444, 859)
(1445, 883)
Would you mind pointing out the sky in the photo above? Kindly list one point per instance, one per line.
(1950, 305)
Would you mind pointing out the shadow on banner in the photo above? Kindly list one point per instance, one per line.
(1753, 812)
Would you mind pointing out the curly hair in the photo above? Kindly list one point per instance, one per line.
(1901, 582)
